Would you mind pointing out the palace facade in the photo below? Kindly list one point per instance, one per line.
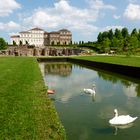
(39, 37)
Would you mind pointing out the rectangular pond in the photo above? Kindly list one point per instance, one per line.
(85, 116)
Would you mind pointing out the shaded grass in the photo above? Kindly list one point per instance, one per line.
(25, 110)
(122, 60)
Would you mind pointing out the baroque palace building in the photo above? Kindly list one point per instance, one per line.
(39, 37)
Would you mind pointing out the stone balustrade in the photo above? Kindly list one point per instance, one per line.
(48, 51)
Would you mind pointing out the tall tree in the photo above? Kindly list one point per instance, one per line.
(80, 42)
(3, 44)
(100, 38)
(115, 43)
(134, 32)
(125, 33)
(133, 42)
(110, 34)
(118, 34)
(104, 35)
(106, 45)
(126, 44)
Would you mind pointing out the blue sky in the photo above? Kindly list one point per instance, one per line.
(85, 18)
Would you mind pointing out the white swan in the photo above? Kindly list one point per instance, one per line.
(122, 119)
(90, 91)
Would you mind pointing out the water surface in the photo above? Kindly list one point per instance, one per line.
(86, 117)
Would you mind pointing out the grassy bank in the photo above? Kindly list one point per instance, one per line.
(122, 60)
(25, 110)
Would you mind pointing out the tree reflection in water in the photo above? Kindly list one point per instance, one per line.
(127, 81)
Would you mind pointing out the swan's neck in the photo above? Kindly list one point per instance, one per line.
(116, 114)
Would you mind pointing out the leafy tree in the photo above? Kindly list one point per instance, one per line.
(115, 43)
(125, 33)
(118, 34)
(110, 34)
(119, 40)
(133, 43)
(80, 42)
(120, 45)
(139, 35)
(100, 38)
(3, 44)
(134, 32)
(126, 44)
(104, 35)
(106, 45)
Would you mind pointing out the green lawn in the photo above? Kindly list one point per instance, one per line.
(26, 113)
(123, 60)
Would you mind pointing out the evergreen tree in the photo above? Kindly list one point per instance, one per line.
(104, 35)
(115, 43)
(125, 33)
(134, 32)
(120, 40)
(100, 38)
(80, 43)
(126, 44)
(118, 34)
(110, 34)
(133, 42)
(139, 35)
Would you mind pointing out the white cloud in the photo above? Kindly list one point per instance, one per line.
(64, 15)
(132, 12)
(130, 91)
(99, 4)
(116, 17)
(9, 26)
(61, 14)
(7, 7)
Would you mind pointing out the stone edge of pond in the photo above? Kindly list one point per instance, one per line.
(121, 69)
(131, 71)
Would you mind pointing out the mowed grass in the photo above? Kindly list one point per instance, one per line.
(26, 113)
(122, 60)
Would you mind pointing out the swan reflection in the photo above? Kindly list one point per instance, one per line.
(117, 127)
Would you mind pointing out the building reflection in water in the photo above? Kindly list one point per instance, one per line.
(58, 68)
